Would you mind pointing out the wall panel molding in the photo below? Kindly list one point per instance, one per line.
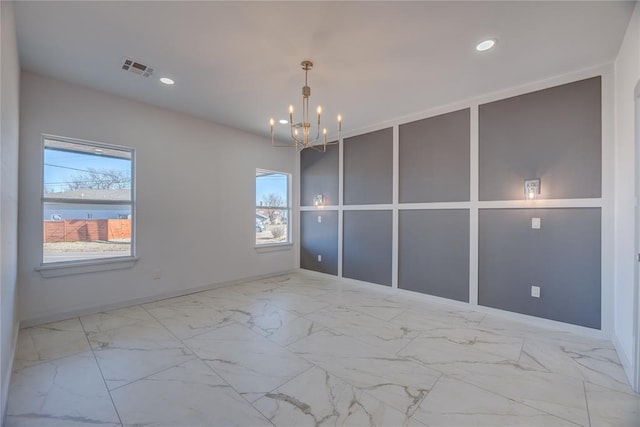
(601, 202)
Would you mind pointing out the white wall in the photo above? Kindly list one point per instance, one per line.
(627, 74)
(195, 199)
(9, 90)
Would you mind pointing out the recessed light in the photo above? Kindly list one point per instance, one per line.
(166, 80)
(485, 45)
(283, 121)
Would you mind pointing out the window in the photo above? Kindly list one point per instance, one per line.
(87, 201)
(273, 207)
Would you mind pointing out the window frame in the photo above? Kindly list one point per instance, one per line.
(62, 268)
(288, 207)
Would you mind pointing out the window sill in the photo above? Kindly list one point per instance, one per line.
(83, 267)
(274, 247)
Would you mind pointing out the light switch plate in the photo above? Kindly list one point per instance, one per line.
(535, 291)
(536, 223)
(319, 258)
(319, 219)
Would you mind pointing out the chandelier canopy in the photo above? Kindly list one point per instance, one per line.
(302, 132)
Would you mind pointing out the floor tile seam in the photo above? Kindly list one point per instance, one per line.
(520, 402)
(213, 328)
(396, 315)
(225, 322)
(339, 333)
(313, 311)
(287, 381)
(104, 380)
(165, 328)
(34, 331)
(501, 358)
(286, 346)
(288, 311)
(200, 303)
(521, 351)
(327, 326)
(113, 330)
(426, 397)
(586, 401)
(163, 369)
(628, 392)
(581, 376)
(364, 313)
(50, 360)
(422, 363)
(397, 353)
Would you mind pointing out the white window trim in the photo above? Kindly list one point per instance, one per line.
(279, 246)
(66, 268)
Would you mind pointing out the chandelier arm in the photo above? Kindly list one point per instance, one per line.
(293, 135)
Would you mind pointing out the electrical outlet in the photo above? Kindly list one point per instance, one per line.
(319, 219)
(157, 275)
(535, 291)
(319, 258)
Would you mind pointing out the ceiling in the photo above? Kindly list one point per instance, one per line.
(237, 63)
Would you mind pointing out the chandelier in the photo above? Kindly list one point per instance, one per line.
(302, 132)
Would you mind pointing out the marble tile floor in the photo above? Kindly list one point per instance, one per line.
(308, 350)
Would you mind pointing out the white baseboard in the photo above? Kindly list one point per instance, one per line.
(55, 317)
(7, 375)
(627, 365)
(524, 318)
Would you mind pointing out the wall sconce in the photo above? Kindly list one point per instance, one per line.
(318, 200)
(532, 188)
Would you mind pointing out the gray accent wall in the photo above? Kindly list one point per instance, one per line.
(319, 175)
(442, 229)
(367, 246)
(433, 256)
(562, 257)
(434, 159)
(368, 168)
(319, 237)
(552, 134)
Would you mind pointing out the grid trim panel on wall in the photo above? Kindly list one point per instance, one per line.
(434, 159)
(433, 253)
(395, 176)
(562, 257)
(368, 168)
(319, 176)
(553, 134)
(367, 246)
(319, 241)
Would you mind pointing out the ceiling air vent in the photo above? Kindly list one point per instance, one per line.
(136, 67)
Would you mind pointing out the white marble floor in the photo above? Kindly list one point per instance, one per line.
(307, 350)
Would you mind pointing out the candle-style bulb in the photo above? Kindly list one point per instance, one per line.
(271, 122)
(290, 109)
(319, 110)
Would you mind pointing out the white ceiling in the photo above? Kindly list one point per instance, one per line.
(237, 63)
